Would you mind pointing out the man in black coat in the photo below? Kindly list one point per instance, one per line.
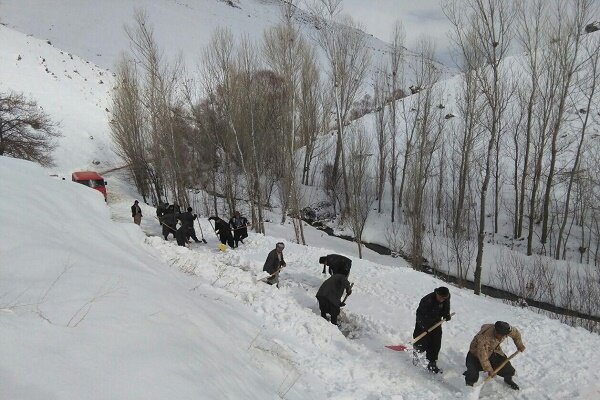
(169, 221)
(432, 309)
(161, 210)
(330, 294)
(239, 225)
(136, 212)
(337, 264)
(274, 263)
(187, 224)
(223, 230)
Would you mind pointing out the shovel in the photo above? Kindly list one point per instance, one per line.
(474, 395)
(195, 201)
(490, 377)
(343, 303)
(201, 233)
(401, 347)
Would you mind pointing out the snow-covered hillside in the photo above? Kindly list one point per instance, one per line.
(93, 308)
(74, 92)
(94, 29)
(68, 49)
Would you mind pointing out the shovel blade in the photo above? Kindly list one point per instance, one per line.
(398, 347)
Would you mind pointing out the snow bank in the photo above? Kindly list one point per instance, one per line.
(87, 313)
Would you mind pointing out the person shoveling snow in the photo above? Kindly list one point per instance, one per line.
(485, 354)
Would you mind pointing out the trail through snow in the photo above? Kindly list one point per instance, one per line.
(353, 363)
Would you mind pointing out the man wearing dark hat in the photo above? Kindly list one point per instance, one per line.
(187, 226)
(432, 309)
(274, 263)
(161, 210)
(223, 230)
(485, 353)
(239, 225)
(136, 212)
(337, 264)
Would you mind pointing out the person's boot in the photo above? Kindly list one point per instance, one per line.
(432, 367)
(467, 382)
(511, 383)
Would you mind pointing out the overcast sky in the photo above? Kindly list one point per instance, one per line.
(420, 17)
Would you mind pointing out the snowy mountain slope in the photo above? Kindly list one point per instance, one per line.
(74, 92)
(106, 319)
(94, 29)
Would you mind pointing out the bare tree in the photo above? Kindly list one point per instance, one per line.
(588, 86)
(427, 126)
(26, 131)
(380, 97)
(348, 61)
(128, 127)
(284, 49)
(470, 105)
(158, 85)
(314, 105)
(362, 189)
(489, 23)
(396, 81)
(532, 26)
(565, 49)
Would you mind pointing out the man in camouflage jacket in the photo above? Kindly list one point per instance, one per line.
(485, 353)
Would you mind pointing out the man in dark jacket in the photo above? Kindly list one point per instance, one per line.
(432, 308)
(223, 230)
(337, 264)
(274, 263)
(136, 213)
(161, 210)
(187, 224)
(239, 225)
(169, 221)
(330, 294)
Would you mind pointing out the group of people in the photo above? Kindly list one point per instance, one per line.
(169, 215)
(231, 233)
(485, 352)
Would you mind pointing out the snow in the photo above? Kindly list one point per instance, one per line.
(69, 90)
(109, 310)
(94, 29)
(94, 307)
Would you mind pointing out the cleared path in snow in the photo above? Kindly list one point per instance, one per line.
(560, 362)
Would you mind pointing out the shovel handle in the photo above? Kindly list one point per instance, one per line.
(500, 367)
(343, 301)
(422, 335)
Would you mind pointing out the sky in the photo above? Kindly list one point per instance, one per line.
(420, 18)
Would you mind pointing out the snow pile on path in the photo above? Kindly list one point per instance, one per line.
(74, 92)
